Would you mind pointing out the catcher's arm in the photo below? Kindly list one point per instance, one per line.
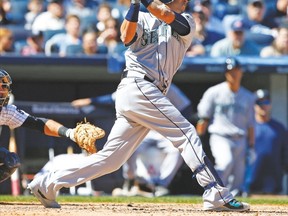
(48, 127)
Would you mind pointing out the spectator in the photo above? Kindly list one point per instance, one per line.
(221, 8)
(6, 41)
(235, 43)
(271, 146)
(35, 7)
(59, 42)
(120, 9)
(103, 14)
(83, 10)
(277, 10)
(227, 110)
(203, 38)
(5, 7)
(89, 45)
(34, 46)
(214, 23)
(110, 36)
(259, 29)
(279, 46)
(79, 8)
(52, 19)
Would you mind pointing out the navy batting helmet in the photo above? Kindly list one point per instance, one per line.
(166, 1)
(231, 63)
(5, 90)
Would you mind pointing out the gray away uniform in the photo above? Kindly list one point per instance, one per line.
(231, 115)
(140, 106)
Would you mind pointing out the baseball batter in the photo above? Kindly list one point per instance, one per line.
(13, 117)
(157, 41)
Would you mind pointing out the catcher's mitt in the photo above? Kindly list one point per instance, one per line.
(86, 134)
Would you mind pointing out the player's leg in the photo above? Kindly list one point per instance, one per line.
(158, 114)
(223, 162)
(129, 170)
(123, 140)
(238, 170)
(171, 163)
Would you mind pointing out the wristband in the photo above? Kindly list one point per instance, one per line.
(132, 14)
(146, 3)
(62, 131)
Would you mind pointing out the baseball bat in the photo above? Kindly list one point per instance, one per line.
(15, 180)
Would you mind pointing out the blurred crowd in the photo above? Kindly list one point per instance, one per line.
(88, 27)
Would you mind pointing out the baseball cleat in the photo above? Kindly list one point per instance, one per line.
(233, 205)
(41, 197)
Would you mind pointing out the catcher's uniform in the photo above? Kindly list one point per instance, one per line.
(11, 116)
(141, 105)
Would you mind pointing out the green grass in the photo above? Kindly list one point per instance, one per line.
(167, 199)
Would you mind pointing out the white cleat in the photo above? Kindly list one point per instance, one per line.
(35, 189)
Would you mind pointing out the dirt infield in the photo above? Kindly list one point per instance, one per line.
(124, 209)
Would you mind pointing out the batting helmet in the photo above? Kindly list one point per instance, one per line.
(9, 162)
(166, 1)
(5, 90)
(231, 63)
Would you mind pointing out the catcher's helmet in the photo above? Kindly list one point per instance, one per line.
(5, 90)
(166, 1)
(231, 63)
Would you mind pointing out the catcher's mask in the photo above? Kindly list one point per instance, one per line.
(5, 90)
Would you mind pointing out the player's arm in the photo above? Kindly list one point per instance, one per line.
(103, 100)
(201, 126)
(129, 24)
(48, 127)
(251, 137)
(164, 13)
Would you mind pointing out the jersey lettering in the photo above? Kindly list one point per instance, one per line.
(227, 108)
(151, 37)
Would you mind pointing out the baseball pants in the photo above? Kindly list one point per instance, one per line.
(140, 106)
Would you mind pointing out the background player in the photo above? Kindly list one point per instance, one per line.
(228, 109)
(153, 174)
(13, 117)
(265, 174)
(157, 41)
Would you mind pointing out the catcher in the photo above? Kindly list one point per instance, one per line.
(84, 134)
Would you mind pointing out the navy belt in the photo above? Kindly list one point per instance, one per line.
(145, 77)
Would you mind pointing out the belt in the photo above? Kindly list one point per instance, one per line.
(136, 74)
(234, 136)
